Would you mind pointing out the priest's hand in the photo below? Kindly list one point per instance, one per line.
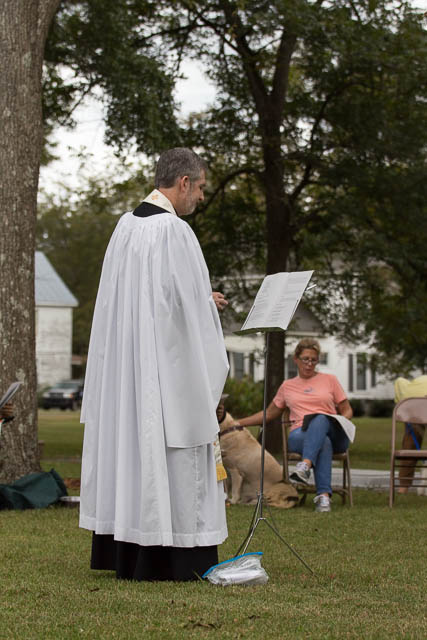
(219, 300)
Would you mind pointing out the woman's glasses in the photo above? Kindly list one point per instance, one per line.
(309, 360)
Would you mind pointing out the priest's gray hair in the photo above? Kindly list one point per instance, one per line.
(176, 163)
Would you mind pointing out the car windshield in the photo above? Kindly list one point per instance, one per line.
(67, 385)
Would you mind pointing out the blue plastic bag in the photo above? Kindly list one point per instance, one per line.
(244, 570)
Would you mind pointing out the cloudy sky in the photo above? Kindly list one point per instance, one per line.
(87, 139)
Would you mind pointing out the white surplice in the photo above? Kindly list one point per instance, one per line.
(156, 370)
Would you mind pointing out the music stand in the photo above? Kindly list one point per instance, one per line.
(262, 313)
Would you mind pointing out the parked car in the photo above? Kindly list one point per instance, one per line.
(64, 395)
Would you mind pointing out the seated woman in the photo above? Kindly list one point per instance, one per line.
(311, 392)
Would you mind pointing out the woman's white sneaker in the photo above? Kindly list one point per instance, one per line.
(301, 473)
(323, 503)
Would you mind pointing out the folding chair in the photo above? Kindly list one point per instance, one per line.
(344, 491)
(409, 410)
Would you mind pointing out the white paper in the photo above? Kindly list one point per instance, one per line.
(9, 393)
(276, 301)
(346, 424)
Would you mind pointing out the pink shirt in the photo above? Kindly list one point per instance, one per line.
(319, 394)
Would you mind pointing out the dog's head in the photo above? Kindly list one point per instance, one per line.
(227, 422)
(220, 412)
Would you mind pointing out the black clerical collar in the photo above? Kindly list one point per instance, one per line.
(146, 209)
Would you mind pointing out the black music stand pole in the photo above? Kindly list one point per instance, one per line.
(258, 515)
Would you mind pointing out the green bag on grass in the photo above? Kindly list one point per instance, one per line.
(33, 491)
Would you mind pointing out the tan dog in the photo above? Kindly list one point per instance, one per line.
(241, 456)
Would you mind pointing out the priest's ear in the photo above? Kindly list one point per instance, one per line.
(184, 183)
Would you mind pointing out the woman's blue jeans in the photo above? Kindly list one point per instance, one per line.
(318, 443)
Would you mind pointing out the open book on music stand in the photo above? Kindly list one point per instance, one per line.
(273, 309)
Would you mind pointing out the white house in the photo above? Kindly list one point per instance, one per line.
(348, 362)
(54, 323)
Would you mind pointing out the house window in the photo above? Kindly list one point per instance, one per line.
(323, 359)
(239, 369)
(291, 367)
(373, 371)
(350, 372)
(252, 365)
(361, 370)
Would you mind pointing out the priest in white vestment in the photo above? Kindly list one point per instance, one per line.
(156, 369)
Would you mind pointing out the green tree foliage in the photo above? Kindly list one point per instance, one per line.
(370, 241)
(100, 48)
(316, 139)
(322, 105)
(381, 291)
(245, 397)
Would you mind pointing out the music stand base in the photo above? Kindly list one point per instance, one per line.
(259, 517)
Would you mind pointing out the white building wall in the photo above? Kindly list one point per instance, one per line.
(54, 326)
(245, 346)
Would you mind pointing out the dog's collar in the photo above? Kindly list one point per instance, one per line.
(237, 427)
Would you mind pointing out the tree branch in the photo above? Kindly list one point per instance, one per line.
(281, 72)
(320, 116)
(255, 80)
(223, 183)
(66, 120)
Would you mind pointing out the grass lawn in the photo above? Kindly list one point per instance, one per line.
(370, 581)
(369, 561)
(371, 447)
(62, 435)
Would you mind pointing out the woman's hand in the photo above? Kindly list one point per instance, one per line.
(344, 409)
(256, 419)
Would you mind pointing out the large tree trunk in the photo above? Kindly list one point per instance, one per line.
(269, 103)
(23, 29)
(278, 245)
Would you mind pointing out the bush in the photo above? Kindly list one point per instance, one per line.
(381, 408)
(358, 407)
(245, 396)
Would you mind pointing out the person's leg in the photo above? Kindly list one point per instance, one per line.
(315, 435)
(322, 468)
(295, 445)
(323, 438)
(296, 441)
(336, 441)
(316, 450)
